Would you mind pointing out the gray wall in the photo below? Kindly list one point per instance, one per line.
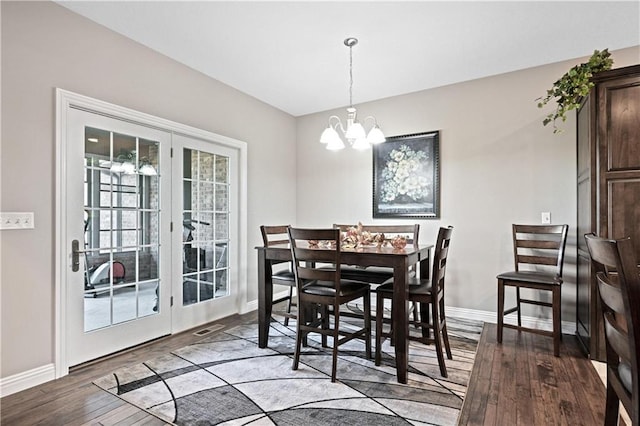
(45, 46)
(499, 165)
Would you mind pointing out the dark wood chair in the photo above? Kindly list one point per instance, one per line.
(320, 285)
(429, 294)
(376, 274)
(273, 235)
(539, 257)
(618, 281)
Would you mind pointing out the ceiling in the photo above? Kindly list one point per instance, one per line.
(291, 54)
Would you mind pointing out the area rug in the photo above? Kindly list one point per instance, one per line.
(226, 379)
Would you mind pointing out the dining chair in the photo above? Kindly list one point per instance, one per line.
(317, 284)
(539, 257)
(616, 269)
(429, 294)
(273, 235)
(377, 274)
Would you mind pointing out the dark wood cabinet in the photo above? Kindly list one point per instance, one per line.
(608, 193)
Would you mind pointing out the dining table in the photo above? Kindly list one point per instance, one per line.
(400, 259)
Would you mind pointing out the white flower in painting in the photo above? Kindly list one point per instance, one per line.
(404, 175)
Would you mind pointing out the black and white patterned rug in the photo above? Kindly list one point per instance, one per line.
(226, 379)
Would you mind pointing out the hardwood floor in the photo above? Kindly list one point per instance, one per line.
(75, 400)
(520, 382)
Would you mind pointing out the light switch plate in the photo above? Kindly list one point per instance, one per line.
(15, 220)
(546, 218)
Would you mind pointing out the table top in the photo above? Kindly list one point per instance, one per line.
(368, 249)
(361, 256)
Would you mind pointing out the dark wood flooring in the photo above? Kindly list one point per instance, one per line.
(520, 382)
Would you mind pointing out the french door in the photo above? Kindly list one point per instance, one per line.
(118, 225)
(150, 220)
(205, 209)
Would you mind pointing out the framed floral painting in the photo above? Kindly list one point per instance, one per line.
(406, 176)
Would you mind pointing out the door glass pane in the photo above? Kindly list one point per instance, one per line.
(205, 226)
(121, 228)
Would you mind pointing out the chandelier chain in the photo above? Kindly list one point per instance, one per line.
(351, 76)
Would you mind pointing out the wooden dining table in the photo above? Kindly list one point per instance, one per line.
(398, 259)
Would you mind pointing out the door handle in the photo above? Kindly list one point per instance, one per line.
(75, 255)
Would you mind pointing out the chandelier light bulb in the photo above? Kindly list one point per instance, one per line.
(361, 144)
(375, 135)
(355, 131)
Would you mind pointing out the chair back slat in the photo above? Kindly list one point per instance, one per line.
(318, 254)
(552, 245)
(274, 235)
(610, 291)
(316, 274)
(538, 260)
(310, 262)
(617, 336)
(539, 247)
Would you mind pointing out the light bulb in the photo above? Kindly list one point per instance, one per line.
(361, 144)
(355, 131)
(375, 135)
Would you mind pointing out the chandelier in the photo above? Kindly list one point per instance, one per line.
(354, 132)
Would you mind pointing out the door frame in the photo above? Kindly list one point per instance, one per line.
(65, 100)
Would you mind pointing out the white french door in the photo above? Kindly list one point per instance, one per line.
(118, 221)
(150, 221)
(205, 194)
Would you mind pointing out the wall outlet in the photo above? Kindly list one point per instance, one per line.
(546, 218)
(11, 220)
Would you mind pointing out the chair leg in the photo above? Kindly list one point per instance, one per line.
(325, 324)
(557, 331)
(336, 338)
(425, 309)
(367, 325)
(416, 314)
(445, 335)
(612, 407)
(518, 306)
(500, 309)
(379, 320)
(299, 337)
(436, 337)
(286, 318)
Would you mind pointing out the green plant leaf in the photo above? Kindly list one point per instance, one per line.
(574, 85)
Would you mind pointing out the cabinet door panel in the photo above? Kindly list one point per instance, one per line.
(624, 210)
(622, 117)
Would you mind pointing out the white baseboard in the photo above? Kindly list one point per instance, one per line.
(473, 314)
(253, 305)
(21, 381)
(491, 317)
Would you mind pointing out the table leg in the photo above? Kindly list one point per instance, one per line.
(400, 324)
(265, 298)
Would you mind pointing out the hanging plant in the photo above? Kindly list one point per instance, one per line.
(569, 89)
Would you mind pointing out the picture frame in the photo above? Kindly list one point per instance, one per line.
(406, 176)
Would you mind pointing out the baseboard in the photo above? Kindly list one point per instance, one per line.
(25, 380)
(253, 305)
(473, 314)
(490, 317)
